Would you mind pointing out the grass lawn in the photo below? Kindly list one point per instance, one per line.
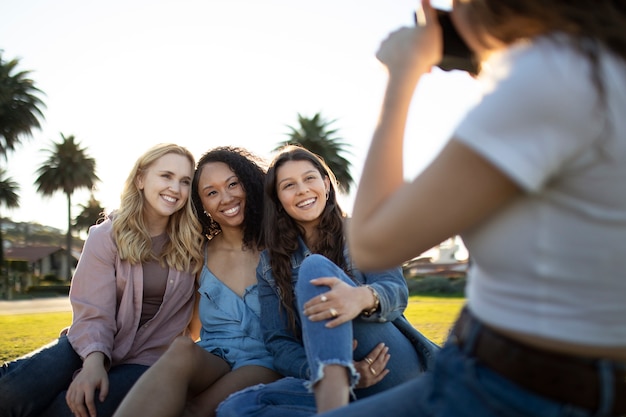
(22, 333)
(434, 315)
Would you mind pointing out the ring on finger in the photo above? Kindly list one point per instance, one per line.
(333, 312)
(368, 360)
(373, 371)
(323, 298)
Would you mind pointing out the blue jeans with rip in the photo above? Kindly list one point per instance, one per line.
(292, 397)
(36, 384)
(459, 386)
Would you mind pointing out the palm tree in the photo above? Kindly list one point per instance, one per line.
(90, 214)
(20, 108)
(9, 199)
(316, 135)
(67, 169)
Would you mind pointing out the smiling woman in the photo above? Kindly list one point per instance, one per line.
(230, 354)
(131, 295)
(315, 304)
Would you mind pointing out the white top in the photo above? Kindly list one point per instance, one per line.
(553, 263)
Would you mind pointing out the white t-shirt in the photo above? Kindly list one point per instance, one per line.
(552, 263)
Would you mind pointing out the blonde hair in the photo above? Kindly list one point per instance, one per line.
(134, 244)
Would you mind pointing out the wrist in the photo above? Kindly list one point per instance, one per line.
(375, 305)
(95, 360)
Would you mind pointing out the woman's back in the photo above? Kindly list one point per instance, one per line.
(560, 245)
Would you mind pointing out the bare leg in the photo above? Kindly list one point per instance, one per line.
(333, 390)
(207, 401)
(184, 369)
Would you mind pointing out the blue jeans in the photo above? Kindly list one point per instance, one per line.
(35, 385)
(458, 386)
(292, 397)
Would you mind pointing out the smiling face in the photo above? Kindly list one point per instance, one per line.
(166, 185)
(222, 194)
(302, 192)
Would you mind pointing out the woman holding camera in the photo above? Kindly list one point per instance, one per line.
(534, 180)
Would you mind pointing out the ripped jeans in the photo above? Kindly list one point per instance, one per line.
(292, 397)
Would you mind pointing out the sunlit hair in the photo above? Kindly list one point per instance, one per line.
(250, 170)
(282, 232)
(587, 22)
(134, 244)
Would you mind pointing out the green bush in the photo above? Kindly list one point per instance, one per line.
(51, 279)
(49, 290)
(436, 285)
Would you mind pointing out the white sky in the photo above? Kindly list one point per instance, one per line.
(124, 75)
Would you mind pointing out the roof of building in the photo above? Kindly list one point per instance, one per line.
(30, 253)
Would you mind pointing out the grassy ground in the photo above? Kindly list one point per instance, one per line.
(434, 315)
(23, 333)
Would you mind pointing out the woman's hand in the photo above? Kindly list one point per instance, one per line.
(413, 50)
(372, 367)
(340, 304)
(81, 392)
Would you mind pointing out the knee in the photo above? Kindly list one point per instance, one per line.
(180, 352)
(315, 266)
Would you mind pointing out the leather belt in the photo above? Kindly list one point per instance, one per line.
(566, 379)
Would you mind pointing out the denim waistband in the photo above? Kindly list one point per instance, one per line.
(592, 384)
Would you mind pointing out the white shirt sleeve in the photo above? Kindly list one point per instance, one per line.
(524, 124)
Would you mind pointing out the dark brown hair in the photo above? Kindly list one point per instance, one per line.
(250, 171)
(589, 23)
(282, 232)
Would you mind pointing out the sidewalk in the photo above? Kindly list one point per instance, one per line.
(35, 305)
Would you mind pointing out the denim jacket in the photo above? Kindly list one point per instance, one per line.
(289, 355)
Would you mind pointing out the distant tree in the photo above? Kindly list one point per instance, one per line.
(20, 108)
(67, 169)
(9, 199)
(316, 135)
(90, 214)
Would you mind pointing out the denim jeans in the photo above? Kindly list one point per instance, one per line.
(458, 386)
(35, 385)
(335, 346)
(292, 397)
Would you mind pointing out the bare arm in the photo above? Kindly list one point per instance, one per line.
(394, 221)
(195, 325)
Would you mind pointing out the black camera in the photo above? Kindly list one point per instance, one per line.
(456, 53)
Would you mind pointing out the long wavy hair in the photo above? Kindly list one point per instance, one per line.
(587, 22)
(282, 231)
(250, 170)
(183, 250)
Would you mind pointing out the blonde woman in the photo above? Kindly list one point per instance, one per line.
(191, 379)
(132, 294)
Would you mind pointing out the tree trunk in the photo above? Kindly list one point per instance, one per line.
(69, 237)
(3, 271)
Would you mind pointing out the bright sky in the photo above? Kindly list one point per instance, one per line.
(123, 75)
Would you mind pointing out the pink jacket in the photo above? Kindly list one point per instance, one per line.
(106, 296)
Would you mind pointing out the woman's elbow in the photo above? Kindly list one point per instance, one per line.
(367, 258)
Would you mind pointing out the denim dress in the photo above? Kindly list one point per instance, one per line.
(231, 327)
